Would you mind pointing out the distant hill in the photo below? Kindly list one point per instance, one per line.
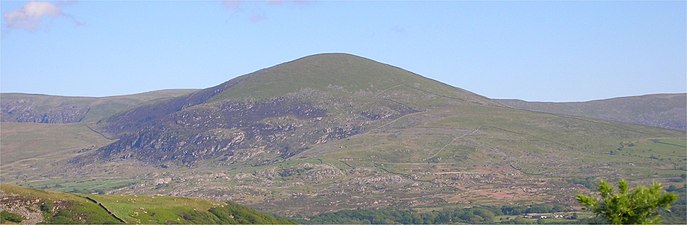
(657, 110)
(33, 108)
(36, 206)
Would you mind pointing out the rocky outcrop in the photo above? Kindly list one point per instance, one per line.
(232, 131)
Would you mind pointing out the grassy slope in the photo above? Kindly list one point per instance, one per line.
(21, 141)
(28, 150)
(659, 110)
(100, 107)
(56, 207)
(326, 72)
(133, 209)
(162, 209)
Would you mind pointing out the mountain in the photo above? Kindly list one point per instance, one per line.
(334, 132)
(33, 108)
(31, 206)
(277, 112)
(658, 110)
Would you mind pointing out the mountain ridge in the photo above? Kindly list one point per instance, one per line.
(666, 110)
(40, 108)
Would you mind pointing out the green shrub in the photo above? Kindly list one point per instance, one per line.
(639, 206)
(11, 217)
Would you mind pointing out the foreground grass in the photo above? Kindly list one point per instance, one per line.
(55, 207)
(65, 208)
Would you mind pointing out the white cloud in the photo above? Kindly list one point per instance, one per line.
(29, 17)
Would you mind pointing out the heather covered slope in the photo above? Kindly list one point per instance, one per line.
(658, 110)
(16, 107)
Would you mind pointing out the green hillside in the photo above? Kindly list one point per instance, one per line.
(62, 208)
(335, 71)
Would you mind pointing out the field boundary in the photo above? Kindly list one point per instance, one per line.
(105, 208)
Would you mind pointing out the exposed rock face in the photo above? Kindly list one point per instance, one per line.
(207, 132)
(231, 131)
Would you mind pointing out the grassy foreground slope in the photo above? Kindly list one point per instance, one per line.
(51, 207)
(62, 208)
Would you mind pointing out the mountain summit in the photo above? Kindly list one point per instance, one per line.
(328, 71)
(277, 112)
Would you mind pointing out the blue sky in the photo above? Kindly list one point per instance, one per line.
(539, 51)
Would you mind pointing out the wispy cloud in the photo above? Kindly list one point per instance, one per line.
(258, 18)
(30, 16)
(399, 30)
(257, 9)
(275, 2)
(232, 4)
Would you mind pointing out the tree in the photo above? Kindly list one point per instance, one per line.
(639, 206)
